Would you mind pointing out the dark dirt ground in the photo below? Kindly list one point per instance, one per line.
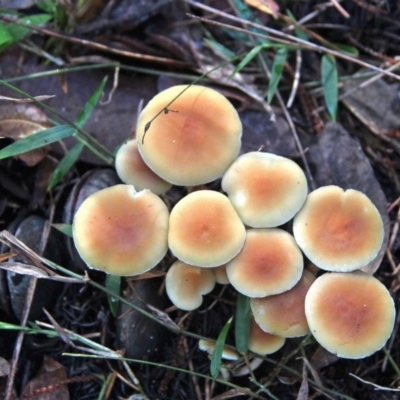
(155, 44)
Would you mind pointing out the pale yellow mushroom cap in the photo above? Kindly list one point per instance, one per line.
(228, 352)
(132, 170)
(269, 263)
(186, 284)
(195, 141)
(121, 231)
(266, 190)
(221, 276)
(261, 342)
(283, 314)
(350, 314)
(338, 230)
(205, 230)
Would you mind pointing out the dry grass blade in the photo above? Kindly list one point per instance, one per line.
(37, 272)
(282, 37)
(98, 46)
(376, 387)
(38, 98)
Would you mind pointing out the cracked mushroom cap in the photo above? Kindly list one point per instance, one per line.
(132, 170)
(263, 343)
(121, 231)
(266, 190)
(186, 284)
(205, 230)
(283, 314)
(269, 263)
(350, 314)
(194, 139)
(339, 230)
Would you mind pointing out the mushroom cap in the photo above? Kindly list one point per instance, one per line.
(186, 284)
(121, 231)
(228, 352)
(350, 314)
(339, 230)
(261, 342)
(221, 276)
(283, 314)
(269, 263)
(205, 230)
(195, 141)
(132, 170)
(266, 190)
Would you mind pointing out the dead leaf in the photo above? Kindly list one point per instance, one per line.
(4, 367)
(265, 6)
(303, 391)
(323, 358)
(18, 121)
(49, 384)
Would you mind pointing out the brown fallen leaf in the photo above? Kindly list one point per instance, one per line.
(266, 6)
(20, 120)
(49, 383)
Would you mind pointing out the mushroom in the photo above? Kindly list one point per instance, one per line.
(228, 352)
(121, 231)
(269, 263)
(266, 190)
(189, 135)
(132, 170)
(283, 314)
(350, 314)
(261, 342)
(205, 230)
(338, 230)
(221, 276)
(186, 284)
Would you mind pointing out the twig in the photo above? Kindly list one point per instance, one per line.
(290, 39)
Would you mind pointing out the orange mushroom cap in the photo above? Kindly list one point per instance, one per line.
(266, 190)
(339, 230)
(261, 342)
(205, 229)
(194, 140)
(350, 314)
(121, 231)
(269, 263)
(132, 170)
(186, 284)
(283, 314)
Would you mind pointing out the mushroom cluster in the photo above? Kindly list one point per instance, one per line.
(191, 135)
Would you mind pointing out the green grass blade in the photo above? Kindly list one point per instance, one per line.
(113, 283)
(219, 48)
(219, 348)
(18, 32)
(65, 165)
(329, 77)
(5, 37)
(70, 158)
(249, 56)
(90, 104)
(242, 323)
(37, 140)
(299, 33)
(66, 229)
(276, 73)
